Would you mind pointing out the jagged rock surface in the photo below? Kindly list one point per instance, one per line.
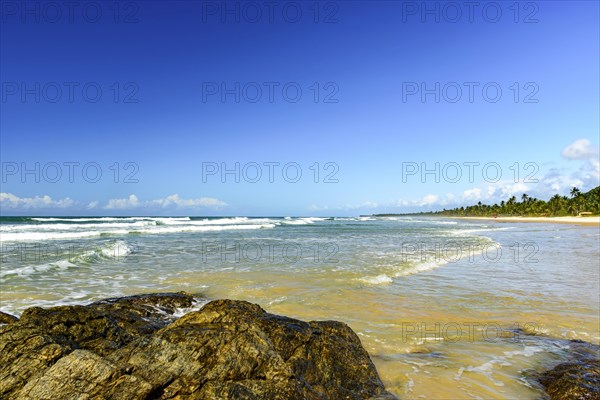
(578, 378)
(134, 348)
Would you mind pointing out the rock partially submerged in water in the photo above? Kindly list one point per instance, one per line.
(135, 348)
(578, 378)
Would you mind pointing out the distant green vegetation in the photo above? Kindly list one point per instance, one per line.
(530, 206)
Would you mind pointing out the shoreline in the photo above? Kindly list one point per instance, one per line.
(582, 221)
(151, 327)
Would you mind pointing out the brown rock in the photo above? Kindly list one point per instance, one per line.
(7, 318)
(83, 374)
(575, 379)
(25, 352)
(130, 348)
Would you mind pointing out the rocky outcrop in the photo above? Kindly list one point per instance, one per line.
(7, 318)
(135, 348)
(43, 336)
(578, 378)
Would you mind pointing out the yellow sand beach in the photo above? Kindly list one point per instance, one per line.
(585, 221)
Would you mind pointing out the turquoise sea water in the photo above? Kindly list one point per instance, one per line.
(436, 302)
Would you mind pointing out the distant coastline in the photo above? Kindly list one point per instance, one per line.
(584, 220)
(580, 209)
(593, 220)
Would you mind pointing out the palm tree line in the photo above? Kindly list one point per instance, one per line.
(578, 203)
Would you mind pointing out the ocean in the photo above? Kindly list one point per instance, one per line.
(444, 307)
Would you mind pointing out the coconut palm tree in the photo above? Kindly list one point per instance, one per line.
(576, 199)
(554, 204)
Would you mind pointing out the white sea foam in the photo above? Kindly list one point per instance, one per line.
(301, 221)
(126, 223)
(37, 269)
(102, 219)
(220, 221)
(487, 368)
(466, 232)
(295, 222)
(406, 270)
(436, 222)
(116, 250)
(31, 236)
(527, 351)
(208, 228)
(377, 280)
(67, 227)
(197, 304)
(420, 267)
(277, 300)
(83, 232)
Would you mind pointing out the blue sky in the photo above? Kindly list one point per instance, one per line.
(161, 92)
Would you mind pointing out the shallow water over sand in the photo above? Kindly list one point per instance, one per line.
(437, 303)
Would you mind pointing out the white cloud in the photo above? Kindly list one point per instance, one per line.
(554, 181)
(170, 201)
(585, 175)
(123, 204)
(508, 189)
(175, 200)
(492, 193)
(473, 194)
(428, 200)
(558, 180)
(581, 149)
(590, 173)
(9, 200)
(365, 205)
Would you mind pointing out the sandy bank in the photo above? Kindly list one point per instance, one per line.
(585, 221)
